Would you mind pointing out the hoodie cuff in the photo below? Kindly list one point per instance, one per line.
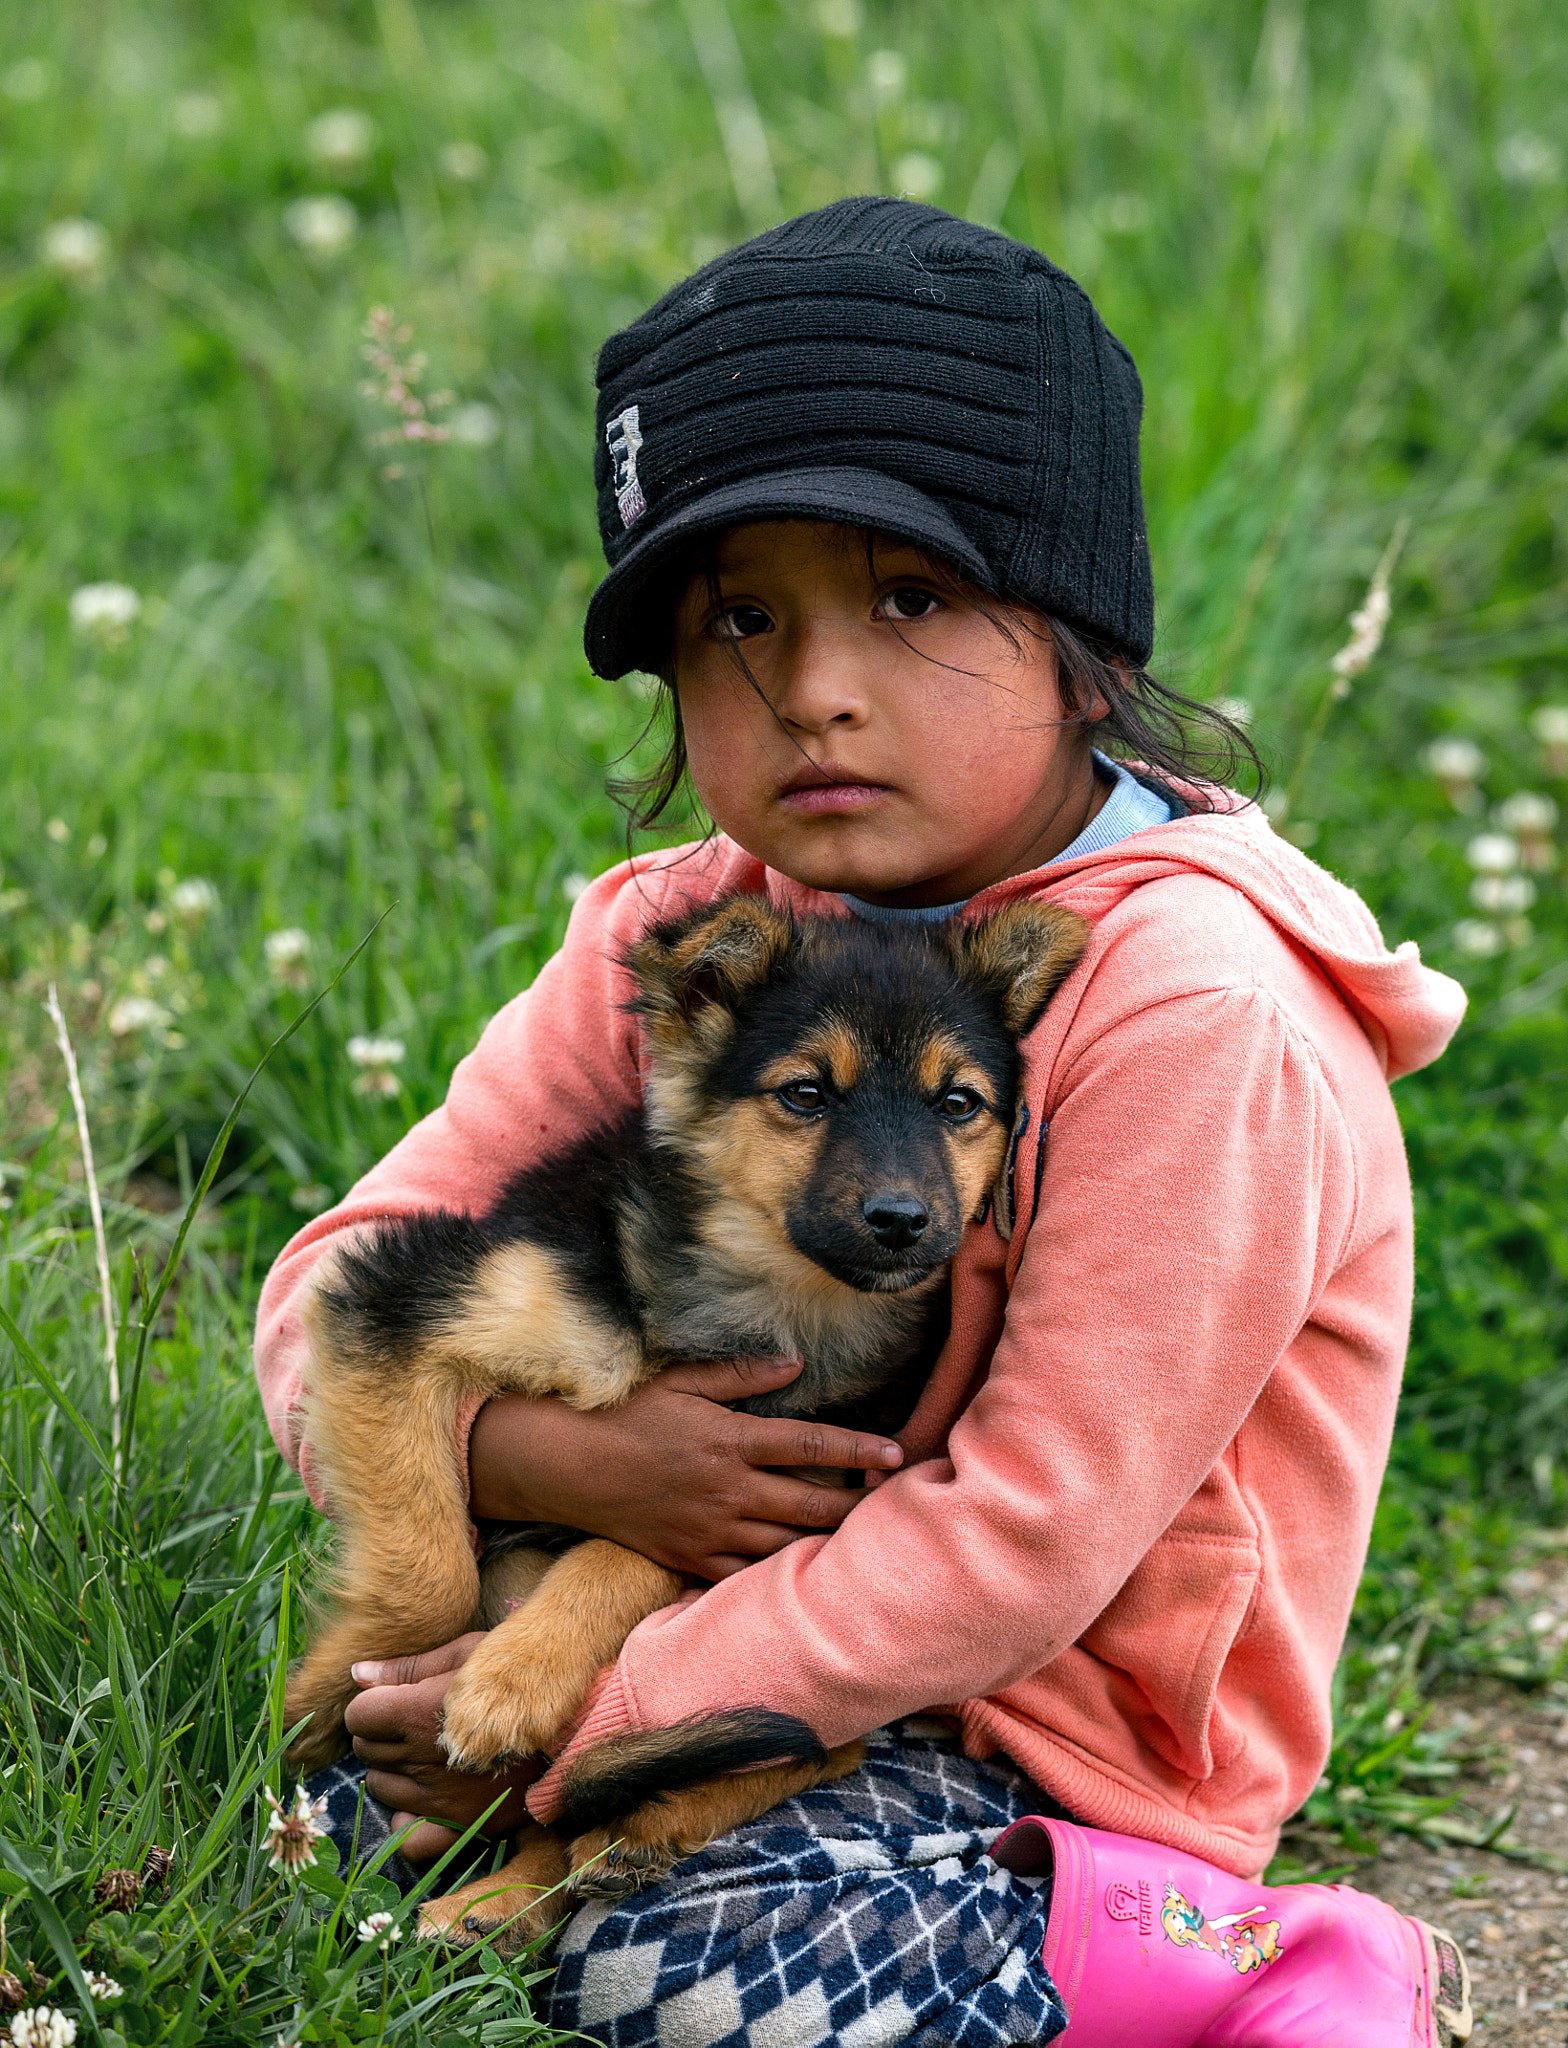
(607, 1711)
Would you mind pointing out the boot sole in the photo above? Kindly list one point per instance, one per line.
(1448, 1975)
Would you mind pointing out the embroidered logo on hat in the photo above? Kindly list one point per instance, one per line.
(624, 437)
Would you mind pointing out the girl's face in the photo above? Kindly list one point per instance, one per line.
(906, 752)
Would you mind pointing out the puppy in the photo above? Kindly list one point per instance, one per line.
(829, 1103)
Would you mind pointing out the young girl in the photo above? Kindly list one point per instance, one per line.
(869, 491)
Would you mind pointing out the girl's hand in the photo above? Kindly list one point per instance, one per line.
(672, 1472)
(394, 1723)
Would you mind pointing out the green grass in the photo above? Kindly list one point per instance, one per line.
(1334, 241)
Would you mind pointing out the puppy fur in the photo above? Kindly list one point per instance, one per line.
(830, 1103)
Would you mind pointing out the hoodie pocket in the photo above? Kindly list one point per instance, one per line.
(1169, 1631)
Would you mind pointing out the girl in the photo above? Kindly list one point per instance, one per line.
(869, 491)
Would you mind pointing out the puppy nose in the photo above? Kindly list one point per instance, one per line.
(895, 1220)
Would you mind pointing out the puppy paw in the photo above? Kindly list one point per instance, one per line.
(513, 1908)
(500, 1708)
(608, 1866)
(509, 1917)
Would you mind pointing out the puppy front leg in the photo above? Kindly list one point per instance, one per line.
(530, 1675)
(403, 1576)
(608, 1862)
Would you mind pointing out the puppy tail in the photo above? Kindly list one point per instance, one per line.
(616, 1776)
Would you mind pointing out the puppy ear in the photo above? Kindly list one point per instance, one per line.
(714, 958)
(1020, 955)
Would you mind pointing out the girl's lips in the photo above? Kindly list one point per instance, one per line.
(831, 799)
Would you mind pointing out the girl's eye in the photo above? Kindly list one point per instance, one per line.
(740, 622)
(804, 1097)
(913, 603)
(958, 1105)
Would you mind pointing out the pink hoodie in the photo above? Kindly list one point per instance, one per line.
(1138, 1487)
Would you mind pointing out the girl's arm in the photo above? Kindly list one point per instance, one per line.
(1199, 1192)
(559, 1060)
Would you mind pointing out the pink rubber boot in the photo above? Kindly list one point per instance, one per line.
(1153, 1949)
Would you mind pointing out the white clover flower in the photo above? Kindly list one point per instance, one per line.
(311, 1199)
(286, 953)
(918, 173)
(75, 247)
(57, 830)
(323, 225)
(1527, 813)
(341, 139)
(572, 886)
(1530, 816)
(103, 1988)
(1480, 940)
(376, 1057)
(1493, 853)
(43, 2026)
(104, 611)
(1455, 760)
(137, 1013)
(1525, 159)
(198, 115)
(1499, 893)
(887, 75)
(294, 1830)
(465, 162)
(193, 899)
(1550, 725)
(380, 1928)
(477, 425)
(376, 1052)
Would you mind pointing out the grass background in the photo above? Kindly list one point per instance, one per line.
(1336, 240)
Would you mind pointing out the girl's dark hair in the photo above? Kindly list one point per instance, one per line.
(1145, 720)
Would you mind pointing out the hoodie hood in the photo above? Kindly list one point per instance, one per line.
(1408, 1011)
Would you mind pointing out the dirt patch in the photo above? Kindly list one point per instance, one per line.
(1510, 1918)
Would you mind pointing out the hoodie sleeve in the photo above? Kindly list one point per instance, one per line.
(558, 1061)
(1199, 1189)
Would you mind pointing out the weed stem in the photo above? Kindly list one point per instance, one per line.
(111, 1347)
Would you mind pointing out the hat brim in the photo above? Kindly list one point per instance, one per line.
(619, 634)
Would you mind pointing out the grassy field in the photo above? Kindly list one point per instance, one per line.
(349, 687)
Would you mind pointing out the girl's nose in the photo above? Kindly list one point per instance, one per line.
(820, 680)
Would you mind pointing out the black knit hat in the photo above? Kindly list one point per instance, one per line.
(882, 364)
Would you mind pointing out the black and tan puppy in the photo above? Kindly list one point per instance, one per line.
(829, 1104)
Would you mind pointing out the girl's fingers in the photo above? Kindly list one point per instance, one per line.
(382, 1753)
(428, 1840)
(392, 1789)
(775, 1440)
(414, 1670)
(730, 1379)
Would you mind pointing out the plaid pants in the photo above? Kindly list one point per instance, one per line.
(864, 1913)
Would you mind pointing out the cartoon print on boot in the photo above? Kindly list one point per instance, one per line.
(1239, 1939)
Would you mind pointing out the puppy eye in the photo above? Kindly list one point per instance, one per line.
(958, 1105)
(804, 1097)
